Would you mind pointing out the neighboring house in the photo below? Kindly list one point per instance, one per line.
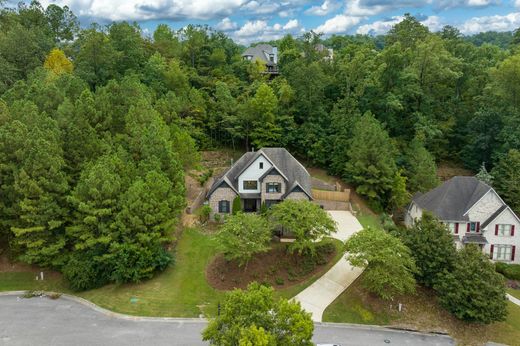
(268, 176)
(328, 53)
(265, 54)
(474, 213)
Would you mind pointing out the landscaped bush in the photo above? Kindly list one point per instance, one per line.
(237, 205)
(510, 271)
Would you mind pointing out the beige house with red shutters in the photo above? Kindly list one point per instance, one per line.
(474, 213)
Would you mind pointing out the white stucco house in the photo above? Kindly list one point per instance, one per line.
(266, 176)
(474, 213)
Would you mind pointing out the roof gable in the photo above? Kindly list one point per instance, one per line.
(452, 199)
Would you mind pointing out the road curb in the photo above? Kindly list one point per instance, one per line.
(118, 315)
(379, 328)
(109, 313)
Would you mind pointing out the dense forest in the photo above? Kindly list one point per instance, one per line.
(98, 125)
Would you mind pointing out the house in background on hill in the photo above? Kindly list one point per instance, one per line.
(268, 176)
(265, 54)
(474, 213)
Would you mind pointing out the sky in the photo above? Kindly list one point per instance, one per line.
(248, 21)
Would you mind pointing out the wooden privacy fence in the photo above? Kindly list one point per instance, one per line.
(337, 196)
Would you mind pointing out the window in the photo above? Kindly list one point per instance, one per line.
(261, 164)
(223, 207)
(270, 202)
(504, 230)
(473, 227)
(273, 187)
(250, 185)
(451, 226)
(503, 252)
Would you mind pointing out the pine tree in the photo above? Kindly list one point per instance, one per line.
(421, 170)
(507, 178)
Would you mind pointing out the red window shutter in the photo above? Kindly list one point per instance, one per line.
(467, 227)
(512, 230)
(478, 227)
(456, 228)
(491, 251)
(513, 253)
(496, 229)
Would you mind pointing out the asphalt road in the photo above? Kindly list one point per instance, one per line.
(42, 321)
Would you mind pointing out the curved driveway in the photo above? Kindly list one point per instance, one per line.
(326, 289)
(45, 322)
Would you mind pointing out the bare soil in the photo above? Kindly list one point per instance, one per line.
(276, 267)
(447, 170)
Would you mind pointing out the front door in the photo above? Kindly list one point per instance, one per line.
(250, 205)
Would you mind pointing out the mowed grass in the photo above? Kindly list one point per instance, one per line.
(180, 291)
(369, 220)
(421, 312)
(514, 293)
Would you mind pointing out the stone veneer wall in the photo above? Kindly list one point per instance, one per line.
(297, 195)
(221, 194)
(272, 179)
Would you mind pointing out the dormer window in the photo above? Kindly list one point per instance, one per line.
(261, 165)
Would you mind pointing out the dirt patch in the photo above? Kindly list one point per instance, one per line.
(6, 265)
(447, 170)
(276, 267)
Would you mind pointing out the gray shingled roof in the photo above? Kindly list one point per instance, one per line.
(474, 238)
(453, 198)
(260, 52)
(493, 216)
(288, 166)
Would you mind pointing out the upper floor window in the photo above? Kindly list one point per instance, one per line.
(223, 207)
(473, 227)
(273, 187)
(261, 165)
(504, 230)
(250, 185)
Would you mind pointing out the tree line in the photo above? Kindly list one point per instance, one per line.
(98, 124)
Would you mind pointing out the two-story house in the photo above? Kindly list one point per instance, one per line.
(268, 176)
(474, 213)
(265, 54)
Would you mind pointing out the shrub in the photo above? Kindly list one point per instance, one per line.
(473, 291)
(83, 271)
(510, 271)
(237, 205)
(279, 281)
(204, 212)
(203, 178)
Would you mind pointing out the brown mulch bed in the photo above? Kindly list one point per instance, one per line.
(276, 267)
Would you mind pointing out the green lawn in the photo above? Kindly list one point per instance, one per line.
(421, 312)
(367, 220)
(514, 293)
(179, 291)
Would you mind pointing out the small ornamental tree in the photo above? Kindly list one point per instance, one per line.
(473, 291)
(243, 235)
(254, 317)
(432, 248)
(305, 220)
(237, 205)
(388, 263)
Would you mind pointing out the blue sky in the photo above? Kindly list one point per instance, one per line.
(248, 21)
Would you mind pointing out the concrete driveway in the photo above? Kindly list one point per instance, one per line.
(326, 289)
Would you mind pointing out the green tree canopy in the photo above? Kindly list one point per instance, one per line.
(306, 221)
(389, 265)
(252, 316)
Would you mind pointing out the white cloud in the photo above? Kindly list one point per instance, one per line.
(475, 25)
(292, 24)
(226, 24)
(251, 28)
(372, 7)
(380, 27)
(259, 30)
(150, 9)
(327, 7)
(338, 24)
(517, 3)
(445, 4)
